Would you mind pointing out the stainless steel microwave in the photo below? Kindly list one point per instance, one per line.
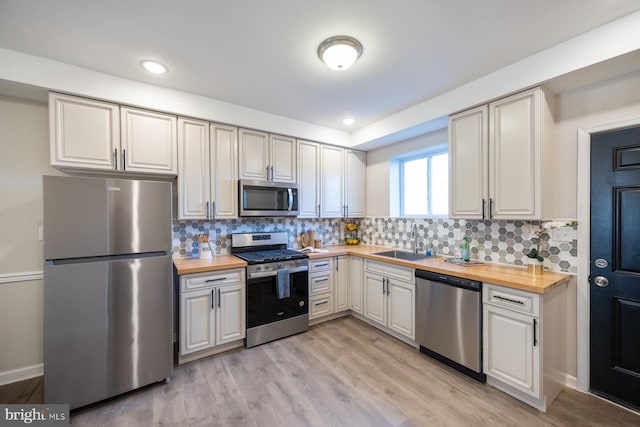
(267, 198)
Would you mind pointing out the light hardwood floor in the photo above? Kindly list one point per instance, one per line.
(340, 373)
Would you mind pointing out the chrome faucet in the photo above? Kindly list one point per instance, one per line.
(414, 234)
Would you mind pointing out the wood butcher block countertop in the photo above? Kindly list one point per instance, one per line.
(497, 274)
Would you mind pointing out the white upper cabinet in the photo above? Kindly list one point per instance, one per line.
(342, 182)
(224, 171)
(254, 155)
(193, 168)
(208, 172)
(468, 162)
(355, 183)
(149, 141)
(267, 157)
(331, 182)
(94, 135)
(282, 158)
(496, 158)
(83, 133)
(308, 179)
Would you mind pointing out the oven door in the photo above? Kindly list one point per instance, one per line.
(263, 305)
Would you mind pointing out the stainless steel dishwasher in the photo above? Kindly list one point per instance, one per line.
(449, 321)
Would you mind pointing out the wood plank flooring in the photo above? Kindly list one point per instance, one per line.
(340, 373)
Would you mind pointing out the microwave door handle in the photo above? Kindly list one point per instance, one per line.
(290, 200)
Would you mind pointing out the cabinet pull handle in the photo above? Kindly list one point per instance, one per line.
(320, 280)
(383, 286)
(124, 159)
(535, 337)
(219, 299)
(320, 303)
(206, 204)
(324, 264)
(337, 264)
(268, 173)
(272, 173)
(490, 208)
(115, 159)
(215, 280)
(515, 301)
(213, 299)
(213, 210)
(484, 202)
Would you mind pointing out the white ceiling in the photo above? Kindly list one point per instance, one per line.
(262, 54)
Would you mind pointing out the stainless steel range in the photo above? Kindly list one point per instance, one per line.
(277, 286)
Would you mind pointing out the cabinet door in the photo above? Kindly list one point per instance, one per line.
(468, 164)
(320, 305)
(83, 133)
(331, 182)
(283, 158)
(341, 284)
(375, 307)
(224, 172)
(230, 315)
(356, 271)
(254, 154)
(193, 168)
(401, 306)
(509, 351)
(308, 179)
(515, 128)
(149, 141)
(355, 163)
(197, 320)
(320, 283)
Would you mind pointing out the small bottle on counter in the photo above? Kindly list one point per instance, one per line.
(427, 248)
(465, 253)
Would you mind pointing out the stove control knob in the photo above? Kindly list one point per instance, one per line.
(280, 265)
(258, 268)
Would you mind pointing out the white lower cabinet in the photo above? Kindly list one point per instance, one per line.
(524, 342)
(341, 284)
(212, 311)
(356, 283)
(328, 287)
(389, 297)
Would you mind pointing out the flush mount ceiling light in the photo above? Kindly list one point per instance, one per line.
(339, 52)
(348, 121)
(154, 66)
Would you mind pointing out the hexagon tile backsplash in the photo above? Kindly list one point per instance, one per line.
(492, 241)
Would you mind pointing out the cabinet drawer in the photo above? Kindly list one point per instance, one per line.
(320, 306)
(320, 283)
(323, 264)
(202, 280)
(513, 299)
(390, 271)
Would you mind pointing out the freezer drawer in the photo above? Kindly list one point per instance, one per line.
(108, 327)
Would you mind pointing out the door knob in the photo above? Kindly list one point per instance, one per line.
(601, 281)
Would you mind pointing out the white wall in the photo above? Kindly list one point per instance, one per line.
(378, 169)
(24, 143)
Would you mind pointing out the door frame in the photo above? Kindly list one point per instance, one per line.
(584, 244)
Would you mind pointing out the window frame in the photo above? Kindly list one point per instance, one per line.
(429, 154)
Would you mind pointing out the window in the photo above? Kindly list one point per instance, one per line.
(424, 184)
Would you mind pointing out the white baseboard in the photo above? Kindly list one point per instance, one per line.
(21, 374)
(571, 381)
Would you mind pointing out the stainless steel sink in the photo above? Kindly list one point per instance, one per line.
(409, 256)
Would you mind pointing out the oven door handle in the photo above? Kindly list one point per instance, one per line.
(260, 274)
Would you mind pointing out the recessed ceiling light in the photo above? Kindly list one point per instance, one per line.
(340, 52)
(348, 121)
(154, 67)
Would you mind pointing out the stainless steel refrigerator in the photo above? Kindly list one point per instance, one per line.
(108, 298)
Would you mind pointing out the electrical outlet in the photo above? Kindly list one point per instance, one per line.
(457, 234)
(40, 233)
(562, 234)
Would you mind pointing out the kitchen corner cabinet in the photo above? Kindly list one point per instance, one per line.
(101, 136)
(389, 297)
(342, 182)
(207, 170)
(524, 342)
(495, 154)
(212, 311)
(267, 157)
(356, 277)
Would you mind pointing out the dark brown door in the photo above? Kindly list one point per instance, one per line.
(615, 265)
